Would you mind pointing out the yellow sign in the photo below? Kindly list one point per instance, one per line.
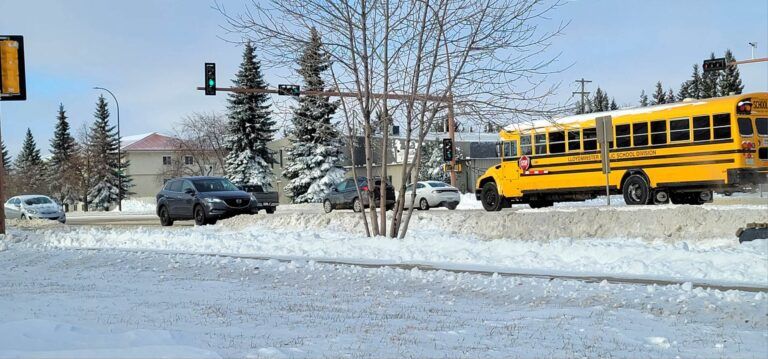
(12, 82)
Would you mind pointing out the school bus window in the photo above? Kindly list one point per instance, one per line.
(541, 143)
(623, 137)
(659, 132)
(721, 126)
(557, 142)
(762, 126)
(525, 145)
(574, 140)
(510, 149)
(701, 129)
(590, 139)
(640, 134)
(679, 130)
(745, 126)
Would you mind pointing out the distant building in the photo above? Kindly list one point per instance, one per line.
(154, 158)
(479, 151)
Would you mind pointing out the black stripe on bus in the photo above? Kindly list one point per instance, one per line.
(585, 170)
(643, 158)
(570, 189)
(612, 150)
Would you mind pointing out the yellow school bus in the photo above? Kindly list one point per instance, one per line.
(680, 152)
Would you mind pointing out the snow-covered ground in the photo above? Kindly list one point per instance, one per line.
(58, 303)
(138, 205)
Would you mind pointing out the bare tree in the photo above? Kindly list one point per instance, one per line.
(415, 61)
(201, 136)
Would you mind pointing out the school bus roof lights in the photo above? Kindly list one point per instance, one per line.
(12, 81)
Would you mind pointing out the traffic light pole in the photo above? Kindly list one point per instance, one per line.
(2, 180)
(452, 135)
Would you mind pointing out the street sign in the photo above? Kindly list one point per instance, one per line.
(210, 79)
(714, 65)
(288, 90)
(12, 78)
(604, 126)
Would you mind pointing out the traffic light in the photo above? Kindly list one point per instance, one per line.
(288, 90)
(210, 78)
(447, 150)
(714, 65)
(12, 80)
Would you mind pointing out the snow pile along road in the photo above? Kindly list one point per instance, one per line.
(713, 261)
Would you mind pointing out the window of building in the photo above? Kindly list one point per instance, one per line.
(658, 132)
(721, 126)
(623, 136)
(574, 141)
(541, 144)
(557, 142)
(745, 126)
(640, 134)
(762, 126)
(679, 130)
(167, 160)
(590, 139)
(188, 160)
(525, 145)
(702, 131)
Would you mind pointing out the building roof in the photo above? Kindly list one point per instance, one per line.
(152, 141)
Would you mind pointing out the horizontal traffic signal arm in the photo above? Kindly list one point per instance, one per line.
(446, 98)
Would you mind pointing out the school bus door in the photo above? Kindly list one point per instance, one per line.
(510, 169)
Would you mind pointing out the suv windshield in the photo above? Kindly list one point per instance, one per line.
(214, 185)
(36, 200)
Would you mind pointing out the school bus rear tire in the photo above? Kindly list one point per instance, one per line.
(491, 198)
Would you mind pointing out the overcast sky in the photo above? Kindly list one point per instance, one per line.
(151, 54)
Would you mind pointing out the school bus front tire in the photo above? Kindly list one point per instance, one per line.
(636, 190)
(490, 197)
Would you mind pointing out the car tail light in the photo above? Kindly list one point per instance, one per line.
(364, 188)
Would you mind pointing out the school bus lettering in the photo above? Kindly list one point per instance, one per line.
(680, 152)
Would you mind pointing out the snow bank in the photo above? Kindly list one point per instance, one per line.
(670, 223)
(713, 261)
(36, 338)
(138, 205)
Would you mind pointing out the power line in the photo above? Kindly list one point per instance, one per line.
(582, 93)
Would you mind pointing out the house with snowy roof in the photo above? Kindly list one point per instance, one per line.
(154, 158)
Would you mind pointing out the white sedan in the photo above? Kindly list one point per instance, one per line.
(34, 207)
(433, 194)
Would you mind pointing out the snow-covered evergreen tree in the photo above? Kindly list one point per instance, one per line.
(7, 163)
(29, 167)
(102, 144)
(250, 127)
(659, 97)
(600, 101)
(62, 167)
(694, 85)
(684, 91)
(643, 99)
(314, 159)
(432, 162)
(730, 81)
(709, 82)
(614, 106)
(670, 96)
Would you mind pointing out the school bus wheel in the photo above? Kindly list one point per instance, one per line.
(492, 200)
(636, 190)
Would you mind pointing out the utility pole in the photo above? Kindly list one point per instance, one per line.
(582, 93)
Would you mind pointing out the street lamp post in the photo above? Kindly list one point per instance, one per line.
(119, 158)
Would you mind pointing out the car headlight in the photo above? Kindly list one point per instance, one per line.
(31, 211)
(213, 200)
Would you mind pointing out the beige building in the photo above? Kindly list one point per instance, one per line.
(154, 158)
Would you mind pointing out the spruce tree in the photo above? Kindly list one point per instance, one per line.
(709, 82)
(62, 167)
(314, 159)
(694, 85)
(600, 101)
(614, 106)
(643, 99)
(102, 145)
(684, 92)
(29, 167)
(659, 97)
(670, 96)
(431, 168)
(7, 164)
(729, 81)
(250, 127)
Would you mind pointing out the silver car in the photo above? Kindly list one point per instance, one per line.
(34, 206)
(433, 194)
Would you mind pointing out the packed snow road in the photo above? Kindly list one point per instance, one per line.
(60, 303)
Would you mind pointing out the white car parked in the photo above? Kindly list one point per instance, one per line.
(433, 194)
(34, 206)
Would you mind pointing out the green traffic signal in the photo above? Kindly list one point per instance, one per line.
(211, 82)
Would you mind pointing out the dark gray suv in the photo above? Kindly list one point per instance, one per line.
(344, 195)
(204, 199)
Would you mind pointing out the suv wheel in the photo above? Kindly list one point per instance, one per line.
(200, 219)
(356, 205)
(327, 206)
(165, 218)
